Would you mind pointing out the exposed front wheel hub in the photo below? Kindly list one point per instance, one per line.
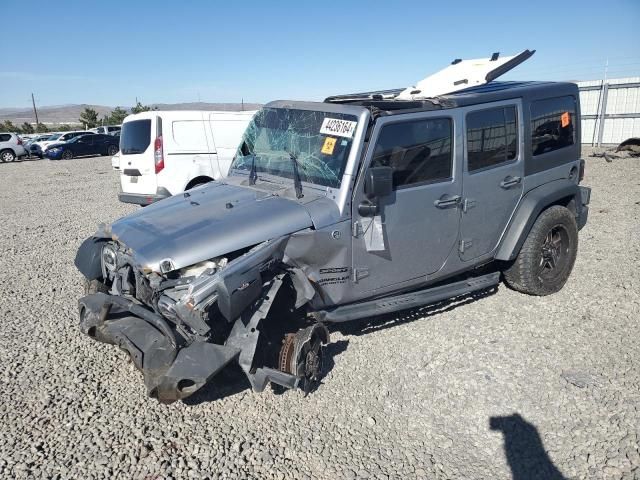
(301, 354)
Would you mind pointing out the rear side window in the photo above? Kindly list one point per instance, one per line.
(492, 137)
(135, 137)
(419, 152)
(4, 137)
(552, 124)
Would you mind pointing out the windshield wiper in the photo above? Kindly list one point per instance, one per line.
(296, 175)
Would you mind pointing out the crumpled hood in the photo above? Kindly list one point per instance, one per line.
(205, 223)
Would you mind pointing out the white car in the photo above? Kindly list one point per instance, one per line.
(59, 138)
(11, 147)
(167, 152)
(107, 129)
(115, 161)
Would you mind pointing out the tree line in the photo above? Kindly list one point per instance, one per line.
(88, 118)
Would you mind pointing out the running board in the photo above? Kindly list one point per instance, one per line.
(407, 301)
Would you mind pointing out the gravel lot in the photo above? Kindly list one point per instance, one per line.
(493, 387)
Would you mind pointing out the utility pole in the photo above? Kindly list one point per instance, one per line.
(35, 111)
(242, 104)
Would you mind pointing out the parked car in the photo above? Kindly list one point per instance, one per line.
(33, 147)
(167, 152)
(358, 206)
(115, 161)
(11, 147)
(83, 145)
(107, 129)
(60, 137)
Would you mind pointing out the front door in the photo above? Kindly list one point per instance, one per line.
(492, 183)
(416, 227)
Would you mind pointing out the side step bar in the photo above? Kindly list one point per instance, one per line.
(406, 301)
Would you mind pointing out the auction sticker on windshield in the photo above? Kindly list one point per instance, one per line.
(335, 126)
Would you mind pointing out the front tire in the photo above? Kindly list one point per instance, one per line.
(7, 156)
(546, 258)
(67, 155)
(112, 150)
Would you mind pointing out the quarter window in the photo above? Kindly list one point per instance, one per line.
(492, 137)
(4, 137)
(552, 124)
(418, 151)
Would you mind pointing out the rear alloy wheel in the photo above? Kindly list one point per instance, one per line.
(112, 150)
(7, 156)
(67, 154)
(547, 256)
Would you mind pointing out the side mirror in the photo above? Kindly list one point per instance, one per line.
(379, 182)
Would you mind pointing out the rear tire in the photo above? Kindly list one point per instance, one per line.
(546, 258)
(112, 150)
(7, 156)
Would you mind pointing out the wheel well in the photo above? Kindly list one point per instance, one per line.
(569, 202)
(8, 150)
(198, 181)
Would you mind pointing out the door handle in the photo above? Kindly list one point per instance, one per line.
(510, 181)
(446, 201)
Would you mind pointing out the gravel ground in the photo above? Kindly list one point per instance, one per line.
(493, 387)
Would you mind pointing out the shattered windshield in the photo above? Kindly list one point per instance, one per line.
(319, 141)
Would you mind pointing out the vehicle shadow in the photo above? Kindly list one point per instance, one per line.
(382, 322)
(524, 450)
(232, 380)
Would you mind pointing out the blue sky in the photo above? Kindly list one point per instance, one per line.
(111, 52)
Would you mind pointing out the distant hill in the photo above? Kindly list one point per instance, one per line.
(71, 113)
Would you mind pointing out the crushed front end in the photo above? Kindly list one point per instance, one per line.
(182, 326)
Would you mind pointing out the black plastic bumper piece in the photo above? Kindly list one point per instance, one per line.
(585, 197)
(170, 372)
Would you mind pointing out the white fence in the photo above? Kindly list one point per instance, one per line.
(610, 110)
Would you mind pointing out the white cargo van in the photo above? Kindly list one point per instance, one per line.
(167, 152)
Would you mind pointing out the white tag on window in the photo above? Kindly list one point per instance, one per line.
(337, 127)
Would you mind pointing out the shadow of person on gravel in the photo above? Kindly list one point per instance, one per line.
(232, 380)
(524, 450)
(382, 322)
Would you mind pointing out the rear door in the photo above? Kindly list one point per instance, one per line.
(492, 183)
(136, 158)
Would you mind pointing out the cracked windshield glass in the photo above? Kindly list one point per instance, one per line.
(278, 138)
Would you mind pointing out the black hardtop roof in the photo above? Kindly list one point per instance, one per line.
(489, 92)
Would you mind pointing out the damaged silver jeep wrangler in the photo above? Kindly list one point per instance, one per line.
(349, 208)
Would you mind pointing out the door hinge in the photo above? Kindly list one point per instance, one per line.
(465, 245)
(467, 204)
(359, 274)
(356, 229)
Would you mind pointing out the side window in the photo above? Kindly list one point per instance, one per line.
(418, 151)
(552, 124)
(4, 137)
(492, 137)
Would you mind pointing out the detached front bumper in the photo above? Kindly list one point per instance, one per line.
(171, 371)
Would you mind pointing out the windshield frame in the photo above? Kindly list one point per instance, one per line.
(342, 194)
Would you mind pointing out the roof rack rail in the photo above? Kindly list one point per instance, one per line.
(374, 95)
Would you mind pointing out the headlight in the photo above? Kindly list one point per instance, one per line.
(108, 259)
(54, 149)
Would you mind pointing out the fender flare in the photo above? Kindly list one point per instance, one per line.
(529, 208)
(87, 259)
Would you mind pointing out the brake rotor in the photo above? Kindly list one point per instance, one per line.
(301, 354)
(286, 352)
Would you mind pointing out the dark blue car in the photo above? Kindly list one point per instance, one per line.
(93, 144)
